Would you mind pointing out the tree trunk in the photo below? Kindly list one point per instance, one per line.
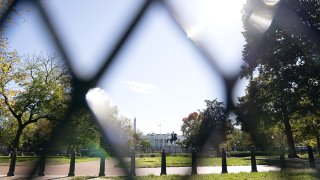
(288, 132)
(14, 147)
(15, 142)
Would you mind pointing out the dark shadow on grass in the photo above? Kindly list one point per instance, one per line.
(91, 177)
(290, 163)
(269, 162)
(57, 177)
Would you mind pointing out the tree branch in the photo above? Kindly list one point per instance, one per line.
(31, 115)
(6, 101)
(35, 120)
(32, 108)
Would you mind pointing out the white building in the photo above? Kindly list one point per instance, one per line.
(162, 141)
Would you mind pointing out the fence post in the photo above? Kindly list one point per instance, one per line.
(102, 164)
(282, 159)
(42, 162)
(253, 160)
(194, 161)
(311, 157)
(163, 163)
(72, 163)
(12, 163)
(224, 161)
(133, 163)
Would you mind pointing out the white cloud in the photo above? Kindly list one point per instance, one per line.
(139, 87)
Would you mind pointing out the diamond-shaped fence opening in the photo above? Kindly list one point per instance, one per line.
(85, 86)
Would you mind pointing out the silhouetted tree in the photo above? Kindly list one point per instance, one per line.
(283, 61)
(215, 125)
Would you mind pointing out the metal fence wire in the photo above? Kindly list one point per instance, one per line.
(81, 86)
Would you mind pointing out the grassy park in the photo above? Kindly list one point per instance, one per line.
(171, 161)
(289, 174)
(51, 160)
(186, 161)
(183, 161)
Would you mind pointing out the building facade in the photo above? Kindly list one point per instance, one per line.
(162, 141)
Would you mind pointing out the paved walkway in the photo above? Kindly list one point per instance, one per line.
(92, 169)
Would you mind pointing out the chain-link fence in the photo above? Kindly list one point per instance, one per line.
(81, 86)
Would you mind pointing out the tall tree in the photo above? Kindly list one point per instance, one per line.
(252, 119)
(285, 58)
(215, 125)
(207, 128)
(190, 129)
(31, 89)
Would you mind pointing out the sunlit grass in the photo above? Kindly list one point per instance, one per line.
(182, 161)
(288, 174)
(177, 161)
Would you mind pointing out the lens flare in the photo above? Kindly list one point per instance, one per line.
(106, 114)
(100, 102)
(262, 17)
(194, 32)
(271, 2)
(261, 21)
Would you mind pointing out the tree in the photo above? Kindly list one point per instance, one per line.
(275, 105)
(215, 125)
(251, 119)
(285, 60)
(144, 144)
(306, 129)
(263, 107)
(238, 139)
(80, 131)
(36, 135)
(190, 129)
(31, 89)
(7, 129)
(207, 128)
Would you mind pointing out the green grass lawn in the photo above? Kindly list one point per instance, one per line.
(5, 160)
(289, 174)
(53, 160)
(176, 161)
(181, 161)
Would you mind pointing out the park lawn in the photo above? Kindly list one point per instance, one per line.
(52, 160)
(180, 161)
(288, 174)
(25, 160)
(66, 160)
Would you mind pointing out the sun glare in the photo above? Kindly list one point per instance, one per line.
(271, 2)
(192, 32)
(102, 107)
(260, 21)
(100, 102)
(211, 14)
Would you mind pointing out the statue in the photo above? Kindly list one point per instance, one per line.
(173, 137)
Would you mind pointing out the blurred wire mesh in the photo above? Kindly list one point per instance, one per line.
(260, 18)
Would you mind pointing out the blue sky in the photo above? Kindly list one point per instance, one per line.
(159, 77)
